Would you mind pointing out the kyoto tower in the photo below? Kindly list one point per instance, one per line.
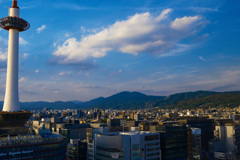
(11, 109)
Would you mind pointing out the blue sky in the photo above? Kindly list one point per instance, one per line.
(80, 50)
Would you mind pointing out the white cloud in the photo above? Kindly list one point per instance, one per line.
(22, 41)
(3, 55)
(83, 29)
(3, 41)
(201, 58)
(203, 9)
(115, 72)
(139, 33)
(22, 79)
(25, 55)
(178, 50)
(27, 7)
(68, 34)
(185, 22)
(40, 29)
(215, 58)
(136, 48)
(61, 73)
(64, 73)
(3, 49)
(54, 44)
(163, 15)
(71, 6)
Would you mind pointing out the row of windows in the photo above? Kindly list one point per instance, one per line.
(153, 154)
(14, 25)
(108, 149)
(153, 149)
(107, 156)
(14, 22)
(152, 138)
(153, 144)
(33, 154)
(135, 147)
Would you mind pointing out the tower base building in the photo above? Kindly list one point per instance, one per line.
(47, 147)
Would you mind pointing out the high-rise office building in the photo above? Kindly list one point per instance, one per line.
(207, 130)
(173, 141)
(197, 145)
(90, 138)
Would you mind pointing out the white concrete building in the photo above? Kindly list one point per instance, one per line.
(127, 146)
(227, 142)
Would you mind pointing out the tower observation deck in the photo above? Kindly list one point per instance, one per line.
(11, 115)
(14, 23)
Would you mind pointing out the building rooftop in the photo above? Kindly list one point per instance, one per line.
(128, 133)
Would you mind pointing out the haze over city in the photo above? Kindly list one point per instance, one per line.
(80, 50)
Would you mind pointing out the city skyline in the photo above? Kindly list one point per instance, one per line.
(83, 50)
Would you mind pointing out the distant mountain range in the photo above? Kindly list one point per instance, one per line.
(123, 100)
(135, 100)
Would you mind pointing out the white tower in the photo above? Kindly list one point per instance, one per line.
(14, 25)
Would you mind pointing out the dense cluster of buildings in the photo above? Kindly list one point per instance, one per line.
(150, 134)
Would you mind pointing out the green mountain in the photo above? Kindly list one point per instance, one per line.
(202, 99)
(231, 100)
(124, 100)
(135, 100)
(174, 99)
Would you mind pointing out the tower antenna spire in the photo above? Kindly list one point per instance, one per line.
(14, 4)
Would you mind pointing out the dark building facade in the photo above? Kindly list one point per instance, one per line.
(173, 141)
(77, 150)
(207, 131)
